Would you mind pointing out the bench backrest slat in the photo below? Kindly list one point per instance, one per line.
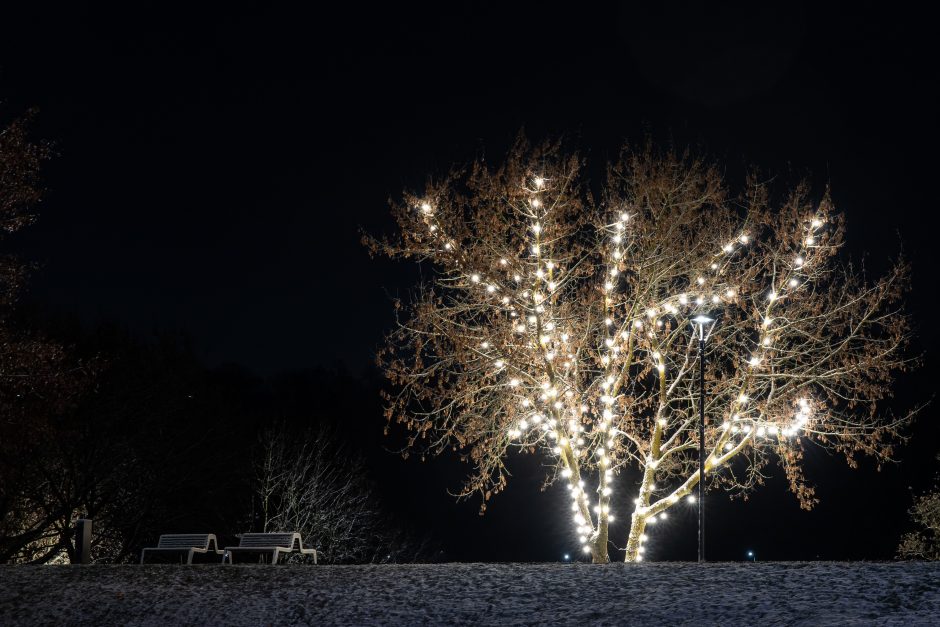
(184, 541)
(286, 540)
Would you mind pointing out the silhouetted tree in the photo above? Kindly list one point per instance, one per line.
(38, 380)
(924, 541)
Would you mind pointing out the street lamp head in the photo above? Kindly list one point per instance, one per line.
(701, 321)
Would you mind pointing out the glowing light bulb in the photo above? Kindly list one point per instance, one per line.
(700, 280)
(798, 262)
(425, 207)
(536, 228)
(793, 283)
(728, 248)
(772, 296)
(683, 299)
(816, 223)
(810, 241)
(514, 382)
(475, 278)
(744, 239)
(539, 182)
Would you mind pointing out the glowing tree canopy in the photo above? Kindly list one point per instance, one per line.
(556, 320)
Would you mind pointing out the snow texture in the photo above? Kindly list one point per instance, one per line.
(807, 593)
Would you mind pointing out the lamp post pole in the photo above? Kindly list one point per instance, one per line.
(700, 322)
(701, 445)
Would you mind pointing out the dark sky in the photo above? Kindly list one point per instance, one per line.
(216, 163)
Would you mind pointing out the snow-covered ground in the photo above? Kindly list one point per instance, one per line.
(815, 593)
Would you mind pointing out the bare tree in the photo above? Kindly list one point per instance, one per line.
(37, 381)
(557, 320)
(313, 484)
(924, 542)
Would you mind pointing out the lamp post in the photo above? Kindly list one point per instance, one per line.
(700, 322)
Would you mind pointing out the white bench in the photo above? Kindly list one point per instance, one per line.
(185, 546)
(269, 546)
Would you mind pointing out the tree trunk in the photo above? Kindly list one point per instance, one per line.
(637, 527)
(598, 544)
(640, 515)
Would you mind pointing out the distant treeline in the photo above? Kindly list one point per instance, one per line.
(140, 436)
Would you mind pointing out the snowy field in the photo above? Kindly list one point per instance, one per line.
(816, 593)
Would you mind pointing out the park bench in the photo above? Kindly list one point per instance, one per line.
(269, 546)
(174, 547)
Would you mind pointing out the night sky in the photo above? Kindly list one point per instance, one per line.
(215, 166)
